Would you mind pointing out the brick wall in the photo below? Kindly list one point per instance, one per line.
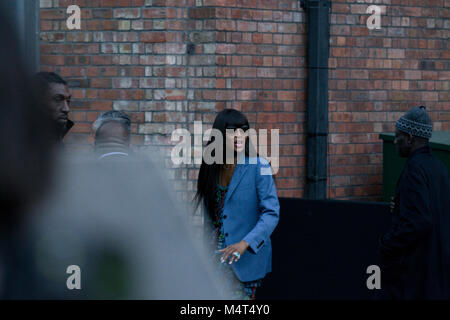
(377, 75)
(133, 55)
(170, 62)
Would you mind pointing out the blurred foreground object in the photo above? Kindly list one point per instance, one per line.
(117, 222)
(25, 136)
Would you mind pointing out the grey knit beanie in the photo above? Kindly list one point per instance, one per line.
(416, 122)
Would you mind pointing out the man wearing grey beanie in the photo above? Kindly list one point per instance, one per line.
(415, 252)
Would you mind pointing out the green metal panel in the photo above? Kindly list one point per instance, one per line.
(393, 163)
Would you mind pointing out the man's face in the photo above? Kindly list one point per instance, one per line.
(58, 100)
(403, 142)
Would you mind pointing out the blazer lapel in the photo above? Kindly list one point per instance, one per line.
(238, 173)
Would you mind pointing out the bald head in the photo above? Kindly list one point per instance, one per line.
(112, 134)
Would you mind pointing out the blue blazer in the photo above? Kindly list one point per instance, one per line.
(251, 212)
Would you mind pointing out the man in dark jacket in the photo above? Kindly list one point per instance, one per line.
(415, 252)
(52, 94)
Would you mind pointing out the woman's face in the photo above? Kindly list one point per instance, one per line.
(235, 139)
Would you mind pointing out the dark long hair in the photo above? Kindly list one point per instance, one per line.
(208, 176)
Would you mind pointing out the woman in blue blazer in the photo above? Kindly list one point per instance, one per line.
(240, 200)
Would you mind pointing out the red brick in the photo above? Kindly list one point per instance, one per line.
(153, 37)
(202, 13)
(52, 60)
(222, 48)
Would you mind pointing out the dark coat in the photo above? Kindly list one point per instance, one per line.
(66, 129)
(415, 252)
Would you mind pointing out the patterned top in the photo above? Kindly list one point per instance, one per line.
(219, 238)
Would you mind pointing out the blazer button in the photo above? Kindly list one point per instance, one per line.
(226, 234)
(225, 216)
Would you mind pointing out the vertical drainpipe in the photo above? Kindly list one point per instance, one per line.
(317, 103)
(23, 15)
(32, 14)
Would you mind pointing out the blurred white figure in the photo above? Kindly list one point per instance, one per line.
(120, 224)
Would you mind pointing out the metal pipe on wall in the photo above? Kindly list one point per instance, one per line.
(317, 102)
(23, 15)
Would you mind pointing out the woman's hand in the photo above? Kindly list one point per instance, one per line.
(234, 250)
